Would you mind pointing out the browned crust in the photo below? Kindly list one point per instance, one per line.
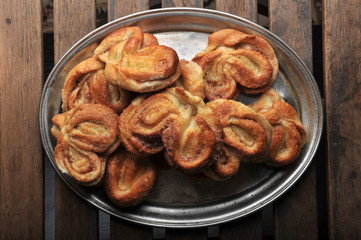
(143, 70)
(87, 134)
(246, 137)
(191, 78)
(76, 90)
(289, 135)
(231, 54)
(118, 36)
(128, 179)
(103, 93)
(86, 84)
(173, 119)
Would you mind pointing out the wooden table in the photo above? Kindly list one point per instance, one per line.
(301, 213)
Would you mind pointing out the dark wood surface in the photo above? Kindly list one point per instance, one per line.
(342, 31)
(74, 217)
(247, 228)
(291, 219)
(298, 214)
(21, 164)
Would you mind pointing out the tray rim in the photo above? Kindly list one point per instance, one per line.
(105, 28)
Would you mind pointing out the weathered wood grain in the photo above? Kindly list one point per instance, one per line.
(246, 228)
(251, 226)
(243, 8)
(121, 229)
(121, 8)
(186, 234)
(21, 162)
(342, 71)
(182, 3)
(75, 219)
(296, 212)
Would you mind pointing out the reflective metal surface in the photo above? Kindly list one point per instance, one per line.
(178, 200)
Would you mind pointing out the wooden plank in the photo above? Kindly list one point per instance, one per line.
(124, 230)
(243, 8)
(342, 45)
(121, 229)
(186, 234)
(21, 164)
(182, 3)
(119, 8)
(249, 227)
(75, 219)
(246, 228)
(292, 220)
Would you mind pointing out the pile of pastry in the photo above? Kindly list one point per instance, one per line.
(134, 100)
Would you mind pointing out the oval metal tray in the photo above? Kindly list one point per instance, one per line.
(177, 200)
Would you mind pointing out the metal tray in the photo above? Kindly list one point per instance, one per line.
(176, 200)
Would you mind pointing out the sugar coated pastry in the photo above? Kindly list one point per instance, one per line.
(133, 108)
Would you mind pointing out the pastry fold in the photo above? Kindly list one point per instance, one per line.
(288, 133)
(246, 136)
(175, 120)
(128, 178)
(191, 78)
(86, 136)
(86, 84)
(234, 58)
(135, 61)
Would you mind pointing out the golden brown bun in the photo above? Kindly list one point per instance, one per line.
(86, 84)
(173, 119)
(128, 179)
(246, 137)
(86, 135)
(232, 58)
(288, 133)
